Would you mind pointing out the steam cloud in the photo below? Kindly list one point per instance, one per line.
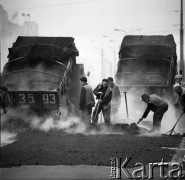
(15, 122)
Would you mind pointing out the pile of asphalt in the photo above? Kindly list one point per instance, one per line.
(120, 128)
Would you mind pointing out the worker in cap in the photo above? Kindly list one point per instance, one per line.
(179, 80)
(3, 100)
(156, 104)
(175, 98)
(86, 102)
(181, 93)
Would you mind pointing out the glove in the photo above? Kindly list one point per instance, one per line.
(99, 100)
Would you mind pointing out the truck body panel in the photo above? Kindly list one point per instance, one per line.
(40, 71)
(147, 62)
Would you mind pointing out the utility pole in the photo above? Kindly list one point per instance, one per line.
(0, 55)
(115, 65)
(182, 42)
(102, 63)
(27, 22)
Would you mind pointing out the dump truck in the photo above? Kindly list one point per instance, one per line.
(147, 64)
(42, 74)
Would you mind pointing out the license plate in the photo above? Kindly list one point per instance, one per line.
(34, 99)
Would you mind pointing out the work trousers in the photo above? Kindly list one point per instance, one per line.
(106, 114)
(158, 115)
(86, 116)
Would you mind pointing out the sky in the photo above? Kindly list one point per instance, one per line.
(99, 26)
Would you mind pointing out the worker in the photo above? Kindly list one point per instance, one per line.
(158, 105)
(3, 101)
(181, 93)
(176, 100)
(86, 102)
(116, 98)
(179, 80)
(103, 94)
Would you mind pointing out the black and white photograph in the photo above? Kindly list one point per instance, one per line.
(92, 89)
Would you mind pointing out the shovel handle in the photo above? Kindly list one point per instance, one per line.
(126, 104)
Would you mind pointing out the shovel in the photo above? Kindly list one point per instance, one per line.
(172, 130)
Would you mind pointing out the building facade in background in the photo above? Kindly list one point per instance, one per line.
(9, 32)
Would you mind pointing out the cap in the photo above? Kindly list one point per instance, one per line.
(178, 76)
(144, 96)
(110, 79)
(105, 80)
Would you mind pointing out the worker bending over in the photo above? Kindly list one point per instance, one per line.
(156, 104)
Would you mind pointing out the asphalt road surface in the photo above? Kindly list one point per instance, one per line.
(61, 148)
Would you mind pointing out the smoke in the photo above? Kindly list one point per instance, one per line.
(16, 120)
(70, 125)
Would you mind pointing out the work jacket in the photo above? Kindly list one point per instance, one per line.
(106, 96)
(154, 103)
(182, 97)
(176, 96)
(86, 97)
